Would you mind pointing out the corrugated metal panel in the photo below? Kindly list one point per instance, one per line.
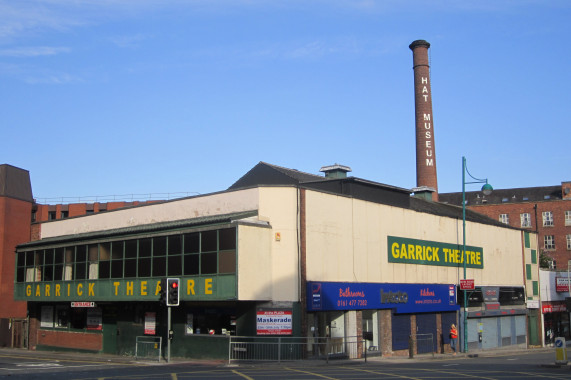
(142, 229)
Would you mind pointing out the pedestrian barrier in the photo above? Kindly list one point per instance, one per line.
(242, 348)
(425, 344)
(148, 347)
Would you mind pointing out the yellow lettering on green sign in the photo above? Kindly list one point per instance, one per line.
(158, 288)
(207, 286)
(47, 290)
(129, 291)
(395, 250)
(143, 288)
(91, 290)
(190, 287)
(38, 293)
(116, 285)
(29, 290)
(58, 287)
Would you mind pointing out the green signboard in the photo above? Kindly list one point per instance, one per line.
(425, 252)
(217, 287)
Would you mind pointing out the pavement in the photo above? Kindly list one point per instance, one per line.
(117, 359)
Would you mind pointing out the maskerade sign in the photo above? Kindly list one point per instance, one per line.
(425, 252)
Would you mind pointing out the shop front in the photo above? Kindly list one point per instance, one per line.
(555, 321)
(386, 316)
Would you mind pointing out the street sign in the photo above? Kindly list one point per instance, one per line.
(467, 284)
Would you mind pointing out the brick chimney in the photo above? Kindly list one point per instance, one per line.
(425, 148)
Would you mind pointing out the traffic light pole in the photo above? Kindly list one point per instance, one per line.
(168, 334)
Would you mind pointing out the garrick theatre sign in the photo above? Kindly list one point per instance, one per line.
(220, 287)
(405, 298)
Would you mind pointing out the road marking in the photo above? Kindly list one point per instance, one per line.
(39, 365)
(459, 374)
(450, 365)
(241, 374)
(310, 373)
(386, 374)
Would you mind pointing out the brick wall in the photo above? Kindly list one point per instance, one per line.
(66, 339)
(559, 230)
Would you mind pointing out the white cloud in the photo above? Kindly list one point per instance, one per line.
(36, 51)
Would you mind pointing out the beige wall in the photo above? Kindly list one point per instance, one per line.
(214, 204)
(254, 247)
(347, 241)
(279, 205)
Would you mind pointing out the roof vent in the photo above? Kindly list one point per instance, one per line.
(335, 171)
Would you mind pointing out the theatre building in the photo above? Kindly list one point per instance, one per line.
(280, 252)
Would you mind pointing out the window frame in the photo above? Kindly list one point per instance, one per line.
(525, 219)
(547, 218)
(549, 242)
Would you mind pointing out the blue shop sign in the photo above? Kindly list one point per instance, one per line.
(405, 298)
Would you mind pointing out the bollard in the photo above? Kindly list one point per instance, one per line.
(560, 351)
(410, 347)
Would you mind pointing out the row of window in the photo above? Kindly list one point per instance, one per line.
(195, 253)
(547, 216)
(549, 242)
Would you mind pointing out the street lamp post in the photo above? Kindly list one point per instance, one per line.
(487, 190)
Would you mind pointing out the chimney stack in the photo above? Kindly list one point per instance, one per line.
(425, 149)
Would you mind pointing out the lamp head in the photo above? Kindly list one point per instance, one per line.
(487, 189)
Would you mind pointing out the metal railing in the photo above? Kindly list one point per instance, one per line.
(115, 198)
(242, 348)
(148, 347)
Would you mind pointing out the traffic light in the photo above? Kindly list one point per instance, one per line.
(172, 291)
(163, 292)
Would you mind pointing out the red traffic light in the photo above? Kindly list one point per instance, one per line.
(174, 284)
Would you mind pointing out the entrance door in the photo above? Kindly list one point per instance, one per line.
(426, 333)
(109, 333)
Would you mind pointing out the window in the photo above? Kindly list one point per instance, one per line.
(569, 241)
(193, 253)
(533, 256)
(549, 242)
(528, 271)
(64, 214)
(51, 215)
(505, 199)
(525, 219)
(568, 218)
(547, 218)
(504, 218)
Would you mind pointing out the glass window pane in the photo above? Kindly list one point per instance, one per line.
(81, 253)
(80, 271)
(159, 246)
(175, 265)
(208, 263)
(145, 247)
(145, 267)
(131, 268)
(48, 273)
(191, 242)
(175, 244)
(20, 274)
(191, 264)
(209, 240)
(104, 268)
(21, 259)
(49, 256)
(159, 267)
(59, 256)
(131, 248)
(117, 269)
(227, 238)
(117, 250)
(227, 262)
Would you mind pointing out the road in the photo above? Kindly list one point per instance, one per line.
(497, 366)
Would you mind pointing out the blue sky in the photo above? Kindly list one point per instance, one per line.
(105, 97)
